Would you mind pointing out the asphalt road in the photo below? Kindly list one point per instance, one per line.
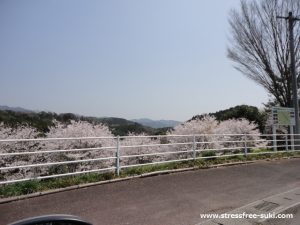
(166, 199)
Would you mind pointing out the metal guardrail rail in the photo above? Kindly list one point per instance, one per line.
(191, 148)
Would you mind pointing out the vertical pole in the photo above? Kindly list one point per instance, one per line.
(118, 156)
(286, 142)
(292, 138)
(245, 145)
(274, 138)
(194, 147)
(291, 20)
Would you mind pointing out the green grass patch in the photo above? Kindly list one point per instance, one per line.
(138, 170)
(260, 150)
(21, 188)
(32, 186)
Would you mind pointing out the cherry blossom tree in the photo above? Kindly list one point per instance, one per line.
(79, 129)
(137, 140)
(246, 132)
(203, 129)
(19, 132)
(209, 133)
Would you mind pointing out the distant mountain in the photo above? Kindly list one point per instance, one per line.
(157, 123)
(15, 109)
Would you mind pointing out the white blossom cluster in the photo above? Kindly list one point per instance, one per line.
(209, 134)
(73, 129)
(19, 132)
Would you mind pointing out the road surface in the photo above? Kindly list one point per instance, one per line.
(175, 199)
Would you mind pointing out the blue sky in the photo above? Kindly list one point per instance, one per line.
(160, 59)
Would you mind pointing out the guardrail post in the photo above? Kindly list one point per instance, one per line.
(286, 143)
(194, 147)
(118, 156)
(245, 147)
(292, 138)
(274, 138)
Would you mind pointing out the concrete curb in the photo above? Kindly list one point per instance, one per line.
(156, 173)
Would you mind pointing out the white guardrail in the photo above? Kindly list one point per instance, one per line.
(43, 158)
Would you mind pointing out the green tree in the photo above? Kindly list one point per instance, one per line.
(251, 113)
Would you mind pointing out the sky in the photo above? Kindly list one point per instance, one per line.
(158, 59)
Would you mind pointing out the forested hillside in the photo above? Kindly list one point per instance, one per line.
(42, 121)
(251, 113)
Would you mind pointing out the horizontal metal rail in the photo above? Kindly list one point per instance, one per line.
(202, 135)
(58, 175)
(55, 163)
(219, 149)
(123, 146)
(239, 141)
(155, 145)
(54, 151)
(145, 136)
(156, 153)
(153, 163)
(54, 139)
(134, 146)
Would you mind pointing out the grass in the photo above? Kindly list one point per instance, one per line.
(32, 186)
